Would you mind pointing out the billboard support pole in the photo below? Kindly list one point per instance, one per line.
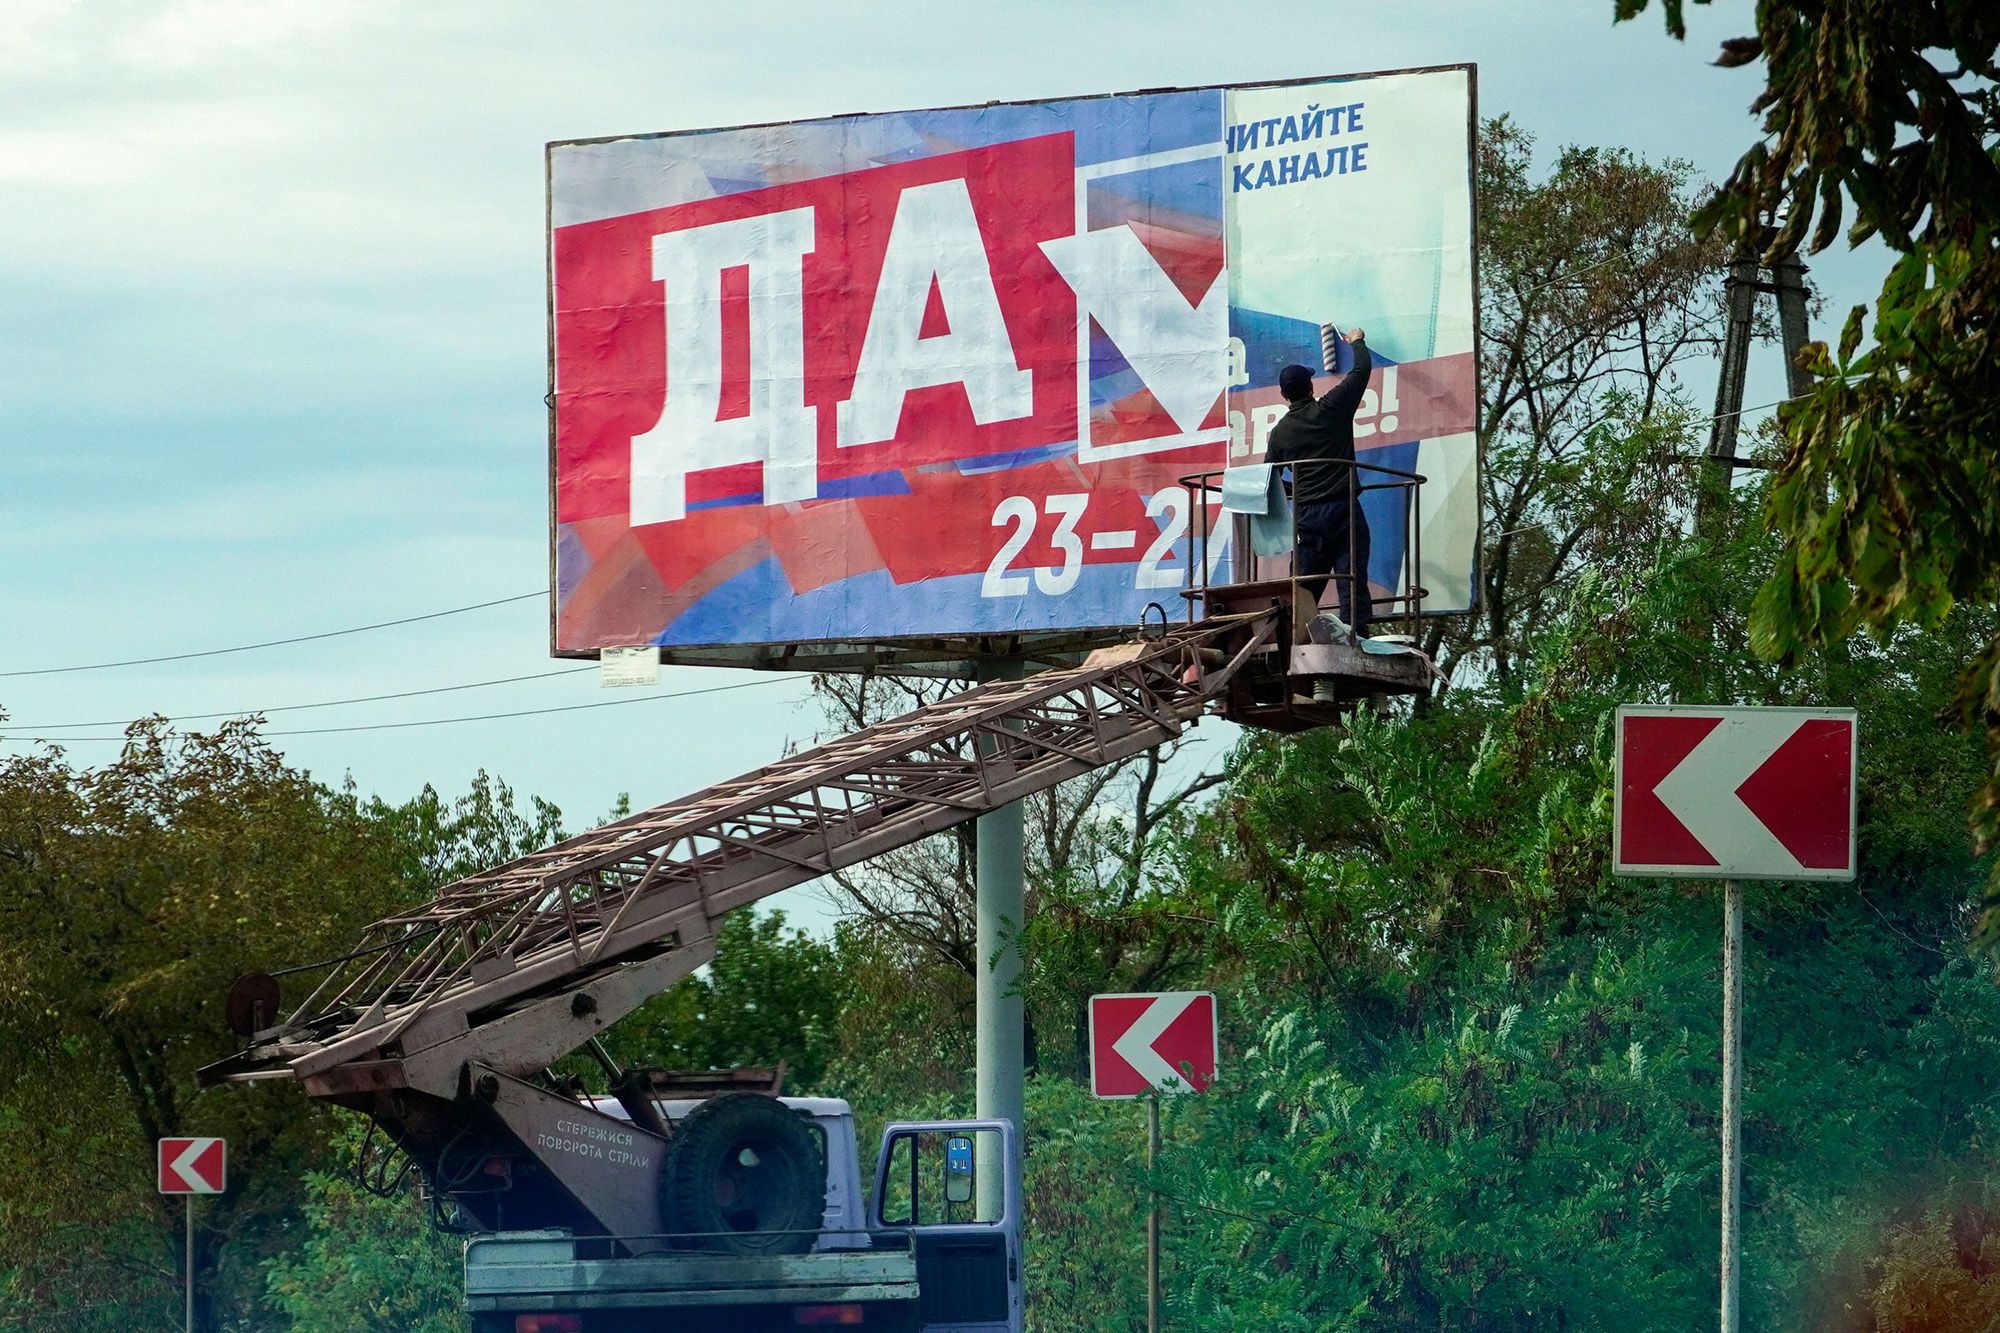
(1000, 876)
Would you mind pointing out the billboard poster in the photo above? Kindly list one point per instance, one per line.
(933, 377)
(1364, 220)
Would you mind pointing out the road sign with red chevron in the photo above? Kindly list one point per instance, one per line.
(193, 1166)
(1735, 793)
(1161, 1042)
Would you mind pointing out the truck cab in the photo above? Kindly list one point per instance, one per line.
(921, 1256)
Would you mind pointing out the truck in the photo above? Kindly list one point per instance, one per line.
(915, 1255)
(715, 1202)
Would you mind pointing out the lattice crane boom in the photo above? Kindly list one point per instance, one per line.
(514, 967)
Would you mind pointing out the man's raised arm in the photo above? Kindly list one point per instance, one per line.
(1346, 395)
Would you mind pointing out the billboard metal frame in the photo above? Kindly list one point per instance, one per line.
(959, 656)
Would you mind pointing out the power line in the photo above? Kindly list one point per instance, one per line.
(1564, 275)
(295, 708)
(1778, 402)
(442, 721)
(274, 643)
(1743, 411)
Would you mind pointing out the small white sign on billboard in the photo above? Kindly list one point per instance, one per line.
(629, 666)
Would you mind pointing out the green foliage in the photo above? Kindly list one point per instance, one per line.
(903, 1038)
(772, 994)
(446, 841)
(130, 896)
(360, 1263)
(1086, 1185)
(1476, 1074)
(1889, 498)
(1483, 1170)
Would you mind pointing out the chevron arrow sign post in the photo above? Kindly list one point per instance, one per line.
(1735, 793)
(1152, 1045)
(187, 1167)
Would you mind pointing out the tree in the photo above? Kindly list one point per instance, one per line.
(486, 827)
(771, 995)
(1888, 502)
(130, 896)
(1592, 297)
(1468, 1072)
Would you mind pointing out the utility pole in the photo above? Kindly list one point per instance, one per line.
(1784, 278)
(1787, 282)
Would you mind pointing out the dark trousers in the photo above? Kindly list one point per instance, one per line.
(1333, 539)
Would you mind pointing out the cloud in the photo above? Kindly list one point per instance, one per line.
(138, 142)
(212, 506)
(194, 33)
(115, 44)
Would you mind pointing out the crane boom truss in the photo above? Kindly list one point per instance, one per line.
(561, 942)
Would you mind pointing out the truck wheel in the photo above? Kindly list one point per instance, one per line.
(744, 1175)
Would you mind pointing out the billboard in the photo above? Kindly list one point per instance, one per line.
(916, 386)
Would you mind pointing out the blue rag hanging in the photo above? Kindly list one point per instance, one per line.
(1256, 490)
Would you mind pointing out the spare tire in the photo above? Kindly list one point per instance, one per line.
(745, 1174)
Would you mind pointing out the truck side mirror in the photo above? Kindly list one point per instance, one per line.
(958, 1169)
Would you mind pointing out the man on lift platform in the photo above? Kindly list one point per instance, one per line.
(1319, 433)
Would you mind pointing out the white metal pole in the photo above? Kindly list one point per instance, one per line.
(187, 1264)
(1153, 1216)
(1000, 888)
(1732, 1101)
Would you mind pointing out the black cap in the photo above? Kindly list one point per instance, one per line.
(1295, 382)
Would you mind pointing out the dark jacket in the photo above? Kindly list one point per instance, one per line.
(1322, 429)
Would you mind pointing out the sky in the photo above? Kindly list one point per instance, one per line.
(271, 294)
